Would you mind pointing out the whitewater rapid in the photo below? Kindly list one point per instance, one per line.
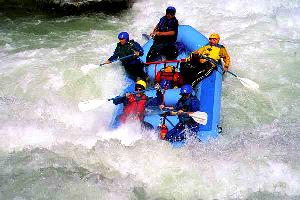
(51, 150)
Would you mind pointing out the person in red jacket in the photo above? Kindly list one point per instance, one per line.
(136, 103)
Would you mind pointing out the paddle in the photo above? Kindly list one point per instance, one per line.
(87, 68)
(92, 104)
(198, 116)
(246, 82)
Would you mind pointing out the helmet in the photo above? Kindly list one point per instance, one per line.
(171, 10)
(165, 84)
(123, 35)
(141, 83)
(215, 35)
(168, 68)
(186, 89)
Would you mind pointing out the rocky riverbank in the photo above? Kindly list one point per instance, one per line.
(64, 7)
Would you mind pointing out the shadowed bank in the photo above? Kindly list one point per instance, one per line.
(64, 7)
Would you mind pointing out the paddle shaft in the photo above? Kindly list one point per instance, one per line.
(118, 59)
(232, 73)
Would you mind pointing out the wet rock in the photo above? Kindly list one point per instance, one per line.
(65, 7)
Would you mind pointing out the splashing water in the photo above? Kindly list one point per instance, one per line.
(50, 150)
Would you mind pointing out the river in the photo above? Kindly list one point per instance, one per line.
(51, 150)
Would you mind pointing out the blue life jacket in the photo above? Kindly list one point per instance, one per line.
(165, 25)
(192, 104)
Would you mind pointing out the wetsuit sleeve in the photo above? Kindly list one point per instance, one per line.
(173, 26)
(115, 55)
(197, 52)
(137, 47)
(119, 99)
(155, 101)
(158, 24)
(195, 105)
(225, 56)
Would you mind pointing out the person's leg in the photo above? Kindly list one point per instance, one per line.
(154, 53)
(136, 71)
(170, 51)
(176, 134)
(204, 70)
(146, 126)
(187, 72)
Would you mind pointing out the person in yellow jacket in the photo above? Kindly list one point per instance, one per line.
(198, 67)
(215, 51)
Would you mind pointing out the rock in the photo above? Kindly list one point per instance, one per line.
(65, 7)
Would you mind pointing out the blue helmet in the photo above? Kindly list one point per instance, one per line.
(186, 89)
(123, 35)
(165, 84)
(171, 10)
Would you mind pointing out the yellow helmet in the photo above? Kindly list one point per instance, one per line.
(141, 83)
(215, 35)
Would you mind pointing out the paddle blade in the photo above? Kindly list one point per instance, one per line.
(249, 83)
(90, 104)
(199, 117)
(86, 68)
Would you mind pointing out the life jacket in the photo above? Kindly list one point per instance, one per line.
(134, 108)
(173, 76)
(212, 51)
(164, 25)
(192, 104)
(125, 50)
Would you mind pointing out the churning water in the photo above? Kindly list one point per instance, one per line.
(51, 150)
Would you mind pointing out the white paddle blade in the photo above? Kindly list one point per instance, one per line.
(199, 117)
(90, 104)
(249, 83)
(86, 68)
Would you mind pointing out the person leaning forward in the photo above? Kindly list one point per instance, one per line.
(164, 36)
(134, 67)
(136, 102)
(187, 104)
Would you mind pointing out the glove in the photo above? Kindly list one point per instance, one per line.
(157, 86)
(164, 114)
(195, 56)
(226, 68)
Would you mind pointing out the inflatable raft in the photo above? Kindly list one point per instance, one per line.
(208, 91)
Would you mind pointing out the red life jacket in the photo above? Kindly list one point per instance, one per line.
(174, 77)
(135, 108)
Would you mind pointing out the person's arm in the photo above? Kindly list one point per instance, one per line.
(195, 105)
(173, 29)
(115, 55)
(155, 101)
(226, 58)
(138, 50)
(196, 53)
(119, 99)
(168, 33)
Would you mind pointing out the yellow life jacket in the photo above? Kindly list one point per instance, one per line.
(212, 51)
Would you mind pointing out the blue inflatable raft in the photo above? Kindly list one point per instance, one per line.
(208, 90)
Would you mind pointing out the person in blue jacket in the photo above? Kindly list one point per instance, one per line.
(187, 104)
(164, 36)
(134, 67)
